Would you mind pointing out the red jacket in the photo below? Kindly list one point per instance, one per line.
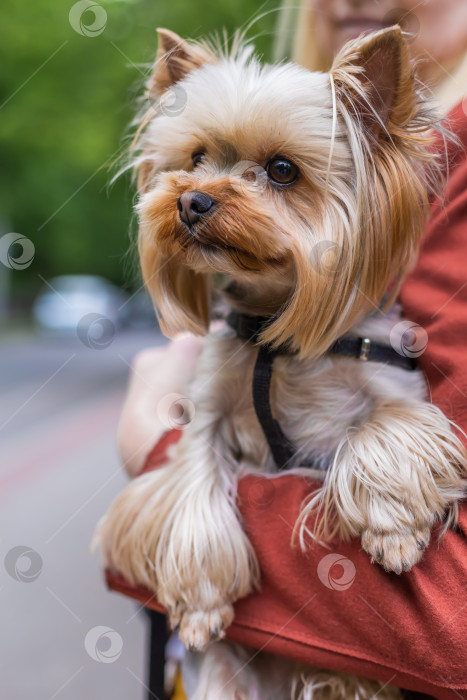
(332, 608)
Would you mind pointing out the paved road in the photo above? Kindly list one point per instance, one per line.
(59, 470)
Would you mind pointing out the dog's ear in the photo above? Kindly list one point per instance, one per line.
(174, 60)
(373, 78)
(181, 296)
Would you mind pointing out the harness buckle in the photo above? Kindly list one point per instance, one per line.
(365, 349)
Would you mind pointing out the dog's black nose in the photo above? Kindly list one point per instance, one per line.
(192, 205)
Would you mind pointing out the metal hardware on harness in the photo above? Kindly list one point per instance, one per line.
(365, 350)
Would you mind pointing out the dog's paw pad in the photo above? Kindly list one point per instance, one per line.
(396, 551)
(199, 628)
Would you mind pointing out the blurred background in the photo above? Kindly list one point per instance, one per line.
(72, 315)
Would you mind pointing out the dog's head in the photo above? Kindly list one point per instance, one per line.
(307, 190)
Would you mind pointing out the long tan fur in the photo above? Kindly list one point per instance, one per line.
(316, 256)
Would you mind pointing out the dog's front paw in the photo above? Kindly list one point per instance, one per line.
(200, 627)
(396, 551)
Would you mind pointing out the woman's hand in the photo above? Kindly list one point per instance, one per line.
(155, 372)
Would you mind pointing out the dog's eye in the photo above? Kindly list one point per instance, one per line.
(198, 157)
(282, 171)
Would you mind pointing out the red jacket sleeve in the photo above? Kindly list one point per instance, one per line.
(331, 607)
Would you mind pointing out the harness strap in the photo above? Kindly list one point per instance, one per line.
(281, 448)
(372, 351)
(250, 327)
(365, 349)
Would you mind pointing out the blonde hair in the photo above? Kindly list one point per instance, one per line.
(296, 40)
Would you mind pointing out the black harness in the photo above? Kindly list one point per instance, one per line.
(250, 327)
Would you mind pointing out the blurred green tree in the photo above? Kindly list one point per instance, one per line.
(65, 102)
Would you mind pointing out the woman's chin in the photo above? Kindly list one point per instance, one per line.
(346, 32)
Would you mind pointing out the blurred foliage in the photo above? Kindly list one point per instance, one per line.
(65, 103)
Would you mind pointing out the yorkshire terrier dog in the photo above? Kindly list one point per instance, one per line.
(298, 199)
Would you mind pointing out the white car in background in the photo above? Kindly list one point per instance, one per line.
(65, 300)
